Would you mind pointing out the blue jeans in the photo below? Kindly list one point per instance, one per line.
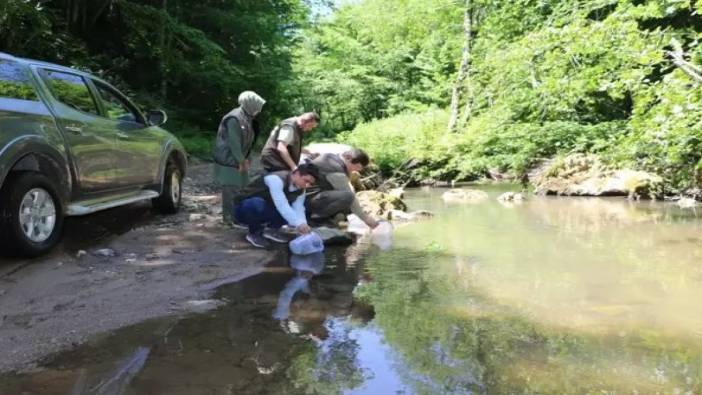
(256, 212)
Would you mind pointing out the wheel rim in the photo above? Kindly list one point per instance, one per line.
(37, 215)
(175, 187)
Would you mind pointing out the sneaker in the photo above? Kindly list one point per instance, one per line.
(276, 235)
(257, 240)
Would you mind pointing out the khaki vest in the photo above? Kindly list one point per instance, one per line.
(270, 157)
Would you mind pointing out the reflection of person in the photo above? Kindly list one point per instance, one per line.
(306, 267)
(336, 195)
(235, 137)
(275, 199)
(284, 146)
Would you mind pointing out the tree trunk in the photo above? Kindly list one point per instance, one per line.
(164, 43)
(458, 86)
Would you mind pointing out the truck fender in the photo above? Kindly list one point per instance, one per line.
(34, 153)
(172, 149)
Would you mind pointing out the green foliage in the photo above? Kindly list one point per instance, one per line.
(17, 91)
(491, 143)
(192, 58)
(550, 78)
(390, 142)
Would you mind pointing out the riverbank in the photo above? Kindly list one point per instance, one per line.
(415, 149)
(118, 268)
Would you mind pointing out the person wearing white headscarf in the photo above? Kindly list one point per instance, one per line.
(235, 137)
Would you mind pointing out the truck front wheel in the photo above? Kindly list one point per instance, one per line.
(31, 215)
(169, 201)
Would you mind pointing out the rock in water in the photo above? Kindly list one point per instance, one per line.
(511, 197)
(687, 203)
(401, 216)
(464, 196)
(585, 175)
(379, 204)
(397, 193)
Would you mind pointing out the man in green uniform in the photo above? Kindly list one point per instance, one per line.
(284, 146)
(235, 137)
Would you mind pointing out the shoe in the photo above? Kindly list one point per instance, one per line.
(276, 235)
(257, 240)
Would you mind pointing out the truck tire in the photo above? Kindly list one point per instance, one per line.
(31, 215)
(169, 201)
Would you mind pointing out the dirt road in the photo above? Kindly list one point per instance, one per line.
(117, 268)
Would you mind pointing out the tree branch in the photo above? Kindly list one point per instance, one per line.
(678, 58)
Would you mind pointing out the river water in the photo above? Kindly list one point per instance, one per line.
(555, 295)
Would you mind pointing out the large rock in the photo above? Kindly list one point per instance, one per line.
(585, 175)
(379, 204)
(464, 196)
(511, 197)
(415, 216)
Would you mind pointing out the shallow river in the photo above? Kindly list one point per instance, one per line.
(556, 295)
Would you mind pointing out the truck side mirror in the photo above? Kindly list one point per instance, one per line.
(157, 117)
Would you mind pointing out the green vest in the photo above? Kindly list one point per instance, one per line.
(270, 157)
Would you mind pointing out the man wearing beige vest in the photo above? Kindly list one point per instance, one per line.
(284, 146)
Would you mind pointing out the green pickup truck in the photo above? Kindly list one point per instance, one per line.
(71, 144)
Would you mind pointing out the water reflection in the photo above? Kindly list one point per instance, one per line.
(551, 296)
(306, 266)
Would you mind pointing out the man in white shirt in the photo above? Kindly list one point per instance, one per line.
(274, 200)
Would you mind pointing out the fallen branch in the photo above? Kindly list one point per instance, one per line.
(678, 58)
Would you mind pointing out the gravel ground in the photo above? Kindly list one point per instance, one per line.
(120, 267)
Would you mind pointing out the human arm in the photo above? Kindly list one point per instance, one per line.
(286, 136)
(234, 142)
(275, 187)
(299, 208)
(341, 182)
(282, 149)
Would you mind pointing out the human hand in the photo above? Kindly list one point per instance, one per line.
(372, 223)
(244, 166)
(304, 229)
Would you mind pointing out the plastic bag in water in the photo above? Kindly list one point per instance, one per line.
(307, 244)
(381, 236)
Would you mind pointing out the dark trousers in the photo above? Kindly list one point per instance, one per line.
(256, 212)
(328, 203)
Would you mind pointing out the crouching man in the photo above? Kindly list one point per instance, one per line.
(334, 193)
(274, 200)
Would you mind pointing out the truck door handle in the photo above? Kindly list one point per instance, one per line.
(74, 129)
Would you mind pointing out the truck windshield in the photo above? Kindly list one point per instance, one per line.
(15, 83)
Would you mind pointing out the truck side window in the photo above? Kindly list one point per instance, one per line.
(14, 82)
(117, 110)
(71, 90)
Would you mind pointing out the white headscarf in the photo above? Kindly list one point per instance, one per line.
(251, 103)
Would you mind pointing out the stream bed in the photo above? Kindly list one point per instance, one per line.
(555, 295)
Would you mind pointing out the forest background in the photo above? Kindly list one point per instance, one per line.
(466, 88)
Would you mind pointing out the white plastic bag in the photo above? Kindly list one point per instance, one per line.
(381, 236)
(307, 244)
